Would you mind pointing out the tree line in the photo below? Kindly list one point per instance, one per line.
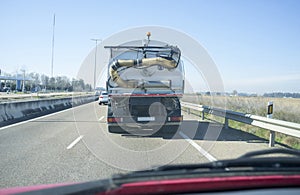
(42, 82)
(282, 95)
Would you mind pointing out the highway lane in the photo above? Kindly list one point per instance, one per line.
(74, 145)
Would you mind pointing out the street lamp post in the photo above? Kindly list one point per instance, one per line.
(96, 41)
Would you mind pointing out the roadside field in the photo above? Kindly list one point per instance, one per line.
(286, 109)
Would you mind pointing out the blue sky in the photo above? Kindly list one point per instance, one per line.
(254, 43)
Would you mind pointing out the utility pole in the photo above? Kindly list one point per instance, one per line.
(96, 41)
(52, 57)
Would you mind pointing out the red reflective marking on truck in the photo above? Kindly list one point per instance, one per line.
(147, 95)
(114, 120)
(175, 118)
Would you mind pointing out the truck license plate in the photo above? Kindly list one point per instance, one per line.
(146, 118)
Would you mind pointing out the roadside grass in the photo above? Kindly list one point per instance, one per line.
(286, 109)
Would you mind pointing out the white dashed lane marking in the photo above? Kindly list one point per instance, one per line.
(199, 148)
(74, 142)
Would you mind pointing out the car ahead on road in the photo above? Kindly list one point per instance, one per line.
(103, 98)
(252, 173)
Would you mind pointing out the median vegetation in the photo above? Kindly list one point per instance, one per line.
(286, 109)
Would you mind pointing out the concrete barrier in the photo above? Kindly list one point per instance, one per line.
(13, 112)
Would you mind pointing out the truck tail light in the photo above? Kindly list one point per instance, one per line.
(114, 120)
(175, 118)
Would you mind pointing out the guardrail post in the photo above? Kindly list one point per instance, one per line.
(189, 111)
(202, 116)
(272, 139)
(272, 133)
(226, 123)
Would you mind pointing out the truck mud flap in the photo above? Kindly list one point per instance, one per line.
(116, 129)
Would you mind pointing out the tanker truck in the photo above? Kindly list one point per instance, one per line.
(145, 83)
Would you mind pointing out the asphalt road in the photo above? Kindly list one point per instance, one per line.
(74, 146)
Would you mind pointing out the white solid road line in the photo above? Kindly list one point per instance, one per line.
(101, 118)
(199, 148)
(74, 142)
(34, 119)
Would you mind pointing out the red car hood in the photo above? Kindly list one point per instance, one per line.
(177, 185)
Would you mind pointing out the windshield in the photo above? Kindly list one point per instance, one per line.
(94, 89)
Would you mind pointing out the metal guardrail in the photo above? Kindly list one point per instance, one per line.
(287, 128)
